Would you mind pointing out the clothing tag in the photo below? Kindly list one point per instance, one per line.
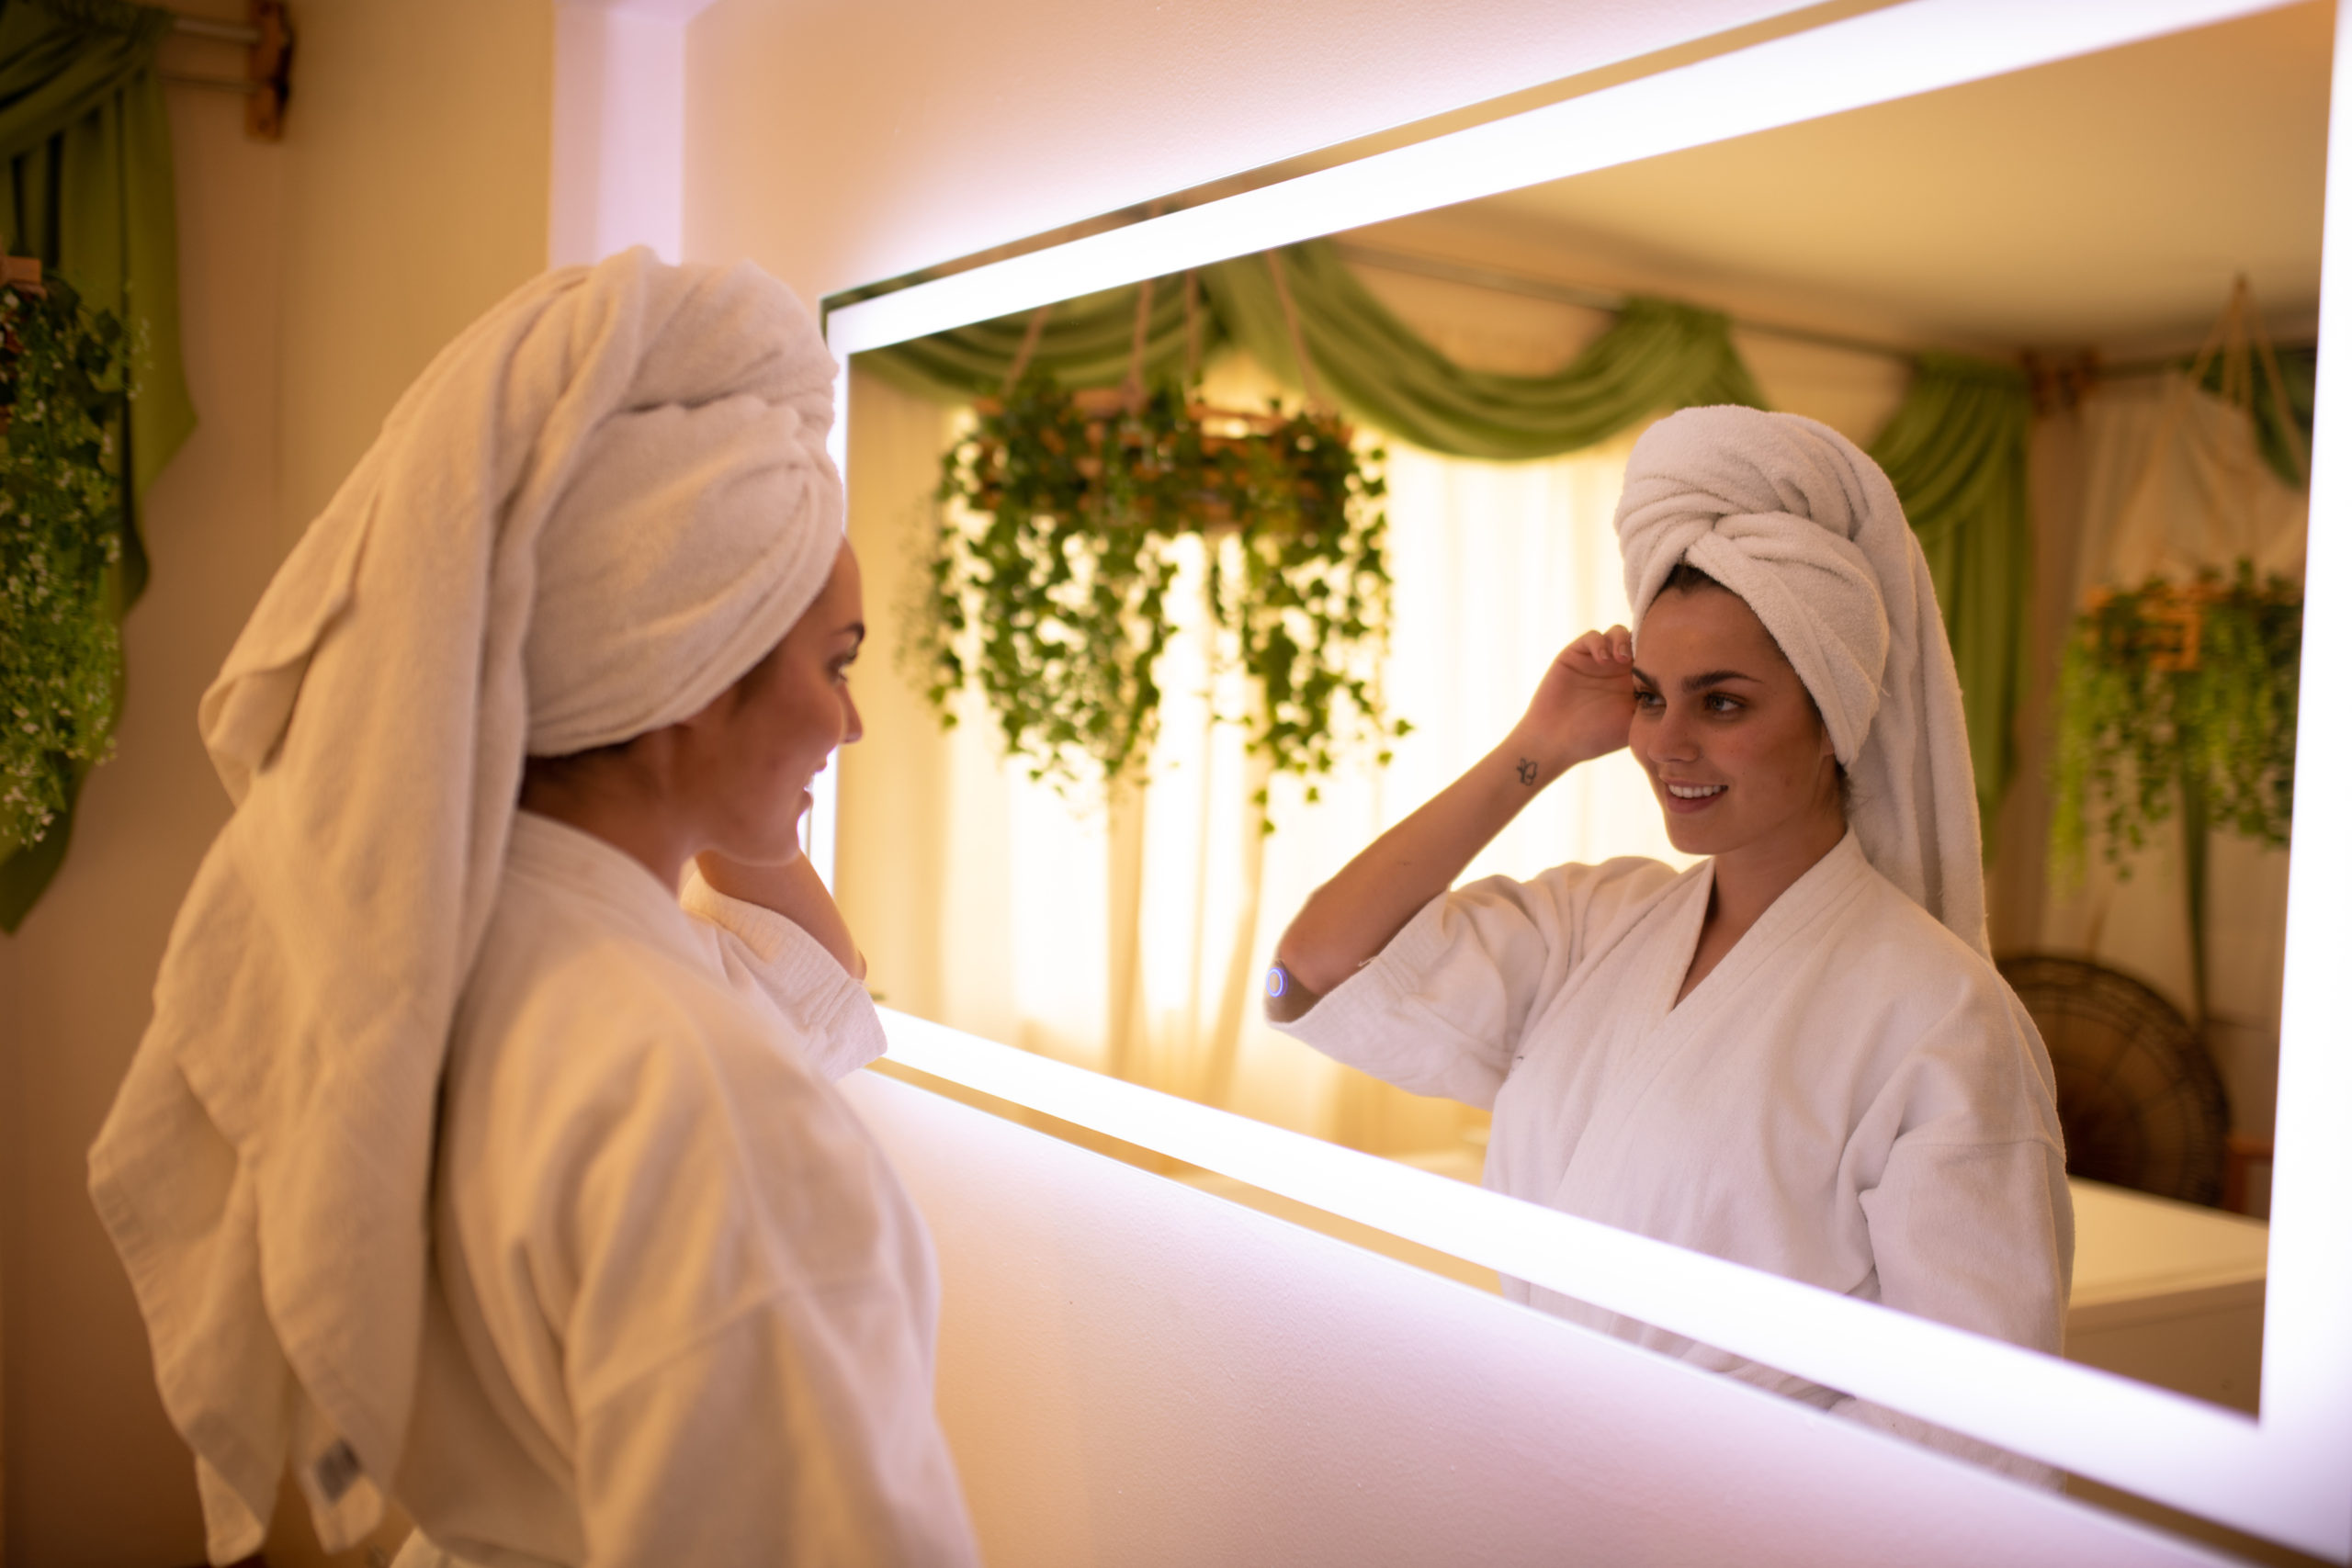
(335, 1471)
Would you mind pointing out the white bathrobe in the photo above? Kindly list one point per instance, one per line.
(680, 1311)
(1851, 1097)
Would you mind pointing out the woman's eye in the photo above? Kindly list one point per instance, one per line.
(1647, 700)
(1718, 702)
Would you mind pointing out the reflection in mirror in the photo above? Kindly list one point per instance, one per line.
(2020, 296)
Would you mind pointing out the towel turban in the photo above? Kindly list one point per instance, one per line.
(1798, 521)
(593, 512)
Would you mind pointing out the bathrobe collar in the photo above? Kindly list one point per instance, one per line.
(582, 866)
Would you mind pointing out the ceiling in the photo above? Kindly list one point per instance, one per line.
(2103, 201)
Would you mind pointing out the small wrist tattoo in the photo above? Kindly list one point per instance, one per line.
(1526, 771)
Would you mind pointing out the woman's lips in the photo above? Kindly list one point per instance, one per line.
(1683, 798)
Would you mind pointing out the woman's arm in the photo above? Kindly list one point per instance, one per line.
(1582, 709)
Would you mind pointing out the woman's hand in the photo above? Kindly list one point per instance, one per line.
(792, 888)
(1584, 707)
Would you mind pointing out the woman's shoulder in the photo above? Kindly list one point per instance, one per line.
(1597, 886)
(562, 1002)
(1970, 1055)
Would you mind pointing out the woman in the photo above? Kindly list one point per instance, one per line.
(463, 1163)
(1796, 1054)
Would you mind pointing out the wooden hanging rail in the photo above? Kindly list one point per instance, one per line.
(267, 39)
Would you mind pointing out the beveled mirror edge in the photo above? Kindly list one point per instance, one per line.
(2289, 1476)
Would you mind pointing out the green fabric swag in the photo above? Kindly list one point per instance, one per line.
(1956, 450)
(1656, 357)
(86, 185)
(1085, 342)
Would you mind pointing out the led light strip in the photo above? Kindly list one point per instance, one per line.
(1882, 55)
(2202, 1452)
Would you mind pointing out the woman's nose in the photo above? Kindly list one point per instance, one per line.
(852, 726)
(1673, 740)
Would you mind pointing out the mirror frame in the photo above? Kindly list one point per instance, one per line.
(2286, 1475)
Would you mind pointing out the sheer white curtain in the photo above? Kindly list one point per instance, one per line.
(1133, 940)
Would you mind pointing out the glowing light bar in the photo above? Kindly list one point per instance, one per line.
(2207, 1457)
(1893, 53)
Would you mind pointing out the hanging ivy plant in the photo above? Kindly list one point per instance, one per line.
(1050, 574)
(2167, 688)
(61, 400)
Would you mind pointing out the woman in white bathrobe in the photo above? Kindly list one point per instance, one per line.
(488, 1160)
(1795, 1054)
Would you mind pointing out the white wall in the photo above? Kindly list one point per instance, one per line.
(1135, 1373)
(317, 278)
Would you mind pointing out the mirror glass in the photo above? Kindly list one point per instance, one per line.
(2123, 251)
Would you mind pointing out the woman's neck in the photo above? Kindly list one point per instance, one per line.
(1750, 879)
(620, 817)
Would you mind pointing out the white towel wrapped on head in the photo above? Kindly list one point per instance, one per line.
(1798, 521)
(594, 510)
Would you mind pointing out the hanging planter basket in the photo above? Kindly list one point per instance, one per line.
(2176, 694)
(1065, 514)
(62, 401)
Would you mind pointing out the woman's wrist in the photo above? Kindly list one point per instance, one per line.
(1534, 762)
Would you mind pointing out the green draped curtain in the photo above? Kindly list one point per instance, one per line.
(86, 185)
(1658, 356)
(1956, 451)
(1955, 448)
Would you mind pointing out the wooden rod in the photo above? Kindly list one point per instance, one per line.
(243, 33)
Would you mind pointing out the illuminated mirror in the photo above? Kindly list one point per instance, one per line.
(1933, 176)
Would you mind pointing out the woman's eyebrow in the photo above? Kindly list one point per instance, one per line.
(855, 630)
(1713, 678)
(1695, 683)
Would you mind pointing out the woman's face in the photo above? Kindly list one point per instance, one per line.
(1730, 738)
(750, 754)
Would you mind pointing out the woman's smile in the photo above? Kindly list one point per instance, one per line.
(1684, 798)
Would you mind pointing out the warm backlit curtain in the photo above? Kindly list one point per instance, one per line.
(1133, 940)
(1956, 451)
(86, 185)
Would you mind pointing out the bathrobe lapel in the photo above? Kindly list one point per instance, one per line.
(1708, 1018)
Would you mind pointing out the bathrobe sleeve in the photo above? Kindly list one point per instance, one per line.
(1440, 1010)
(749, 1317)
(1971, 1221)
(767, 956)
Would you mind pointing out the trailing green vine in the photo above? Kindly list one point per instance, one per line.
(2166, 690)
(1056, 552)
(61, 400)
